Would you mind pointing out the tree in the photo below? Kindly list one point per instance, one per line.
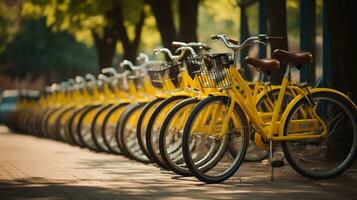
(9, 22)
(162, 10)
(276, 17)
(38, 51)
(343, 69)
(342, 45)
(113, 31)
(188, 12)
(244, 34)
(107, 21)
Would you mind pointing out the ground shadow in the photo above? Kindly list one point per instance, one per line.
(40, 188)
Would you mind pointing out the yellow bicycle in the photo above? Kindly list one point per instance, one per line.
(215, 137)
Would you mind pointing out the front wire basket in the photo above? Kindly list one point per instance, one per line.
(159, 72)
(211, 70)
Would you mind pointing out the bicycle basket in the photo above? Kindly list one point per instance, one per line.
(161, 71)
(212, 70)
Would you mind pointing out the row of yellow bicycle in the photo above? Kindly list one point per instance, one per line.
(196, 115)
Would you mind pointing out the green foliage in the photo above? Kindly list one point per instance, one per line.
(80, 17)
(8, 23)
(37, 50)
(218, 17)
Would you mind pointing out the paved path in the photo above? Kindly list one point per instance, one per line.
(35, 168)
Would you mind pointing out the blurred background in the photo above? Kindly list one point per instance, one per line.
(46, 41)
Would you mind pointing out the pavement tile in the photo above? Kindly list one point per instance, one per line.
(37, 168)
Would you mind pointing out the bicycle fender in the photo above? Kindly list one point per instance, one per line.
(298, 97)
(334, 91)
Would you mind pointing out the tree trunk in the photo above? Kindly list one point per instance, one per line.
(244, 34)
(343, 68)
(276, 16)
(162, 10)
(343, 44)
(188, 11)
(138, 29)
(105, 47)
(308, 38)
(130, 47)
(106, 44)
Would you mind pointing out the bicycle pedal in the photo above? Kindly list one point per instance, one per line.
(277, 163)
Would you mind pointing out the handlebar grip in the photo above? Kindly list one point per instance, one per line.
(109, 70)
(274, 38)
(178, 44)
(235, 42)
(214, 37)
(205, 47)
(156, 51)
(267, 38)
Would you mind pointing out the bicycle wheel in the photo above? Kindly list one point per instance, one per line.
(143, 122)
(36, 121)
(126, 133)
(153, 128)
(96, 127)
(84, 127)
(211, 156)
(51, 128)
(60, 123)
(108, 128)
(170, 138)
(328, 156)
(41, 120)
(46, 121)
(71, 125)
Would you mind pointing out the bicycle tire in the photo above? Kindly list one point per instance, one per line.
(195, 169)
(350, 109)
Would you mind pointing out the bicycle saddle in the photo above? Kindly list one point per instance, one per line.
(293, 58)
(264, 65)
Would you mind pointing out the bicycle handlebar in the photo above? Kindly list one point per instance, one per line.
(174, 58)
(184, 49)
(109, 70)
(217, 37)
(71, 82)
(143, 56)
(90, 78)
(54, 87)
(114, 73)
(129, 64)
(103, 78)
(233, 44)
(81, 82)
(164, 50)
(191, 44)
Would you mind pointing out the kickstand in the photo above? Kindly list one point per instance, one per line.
(274, 162)
(271, 160)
